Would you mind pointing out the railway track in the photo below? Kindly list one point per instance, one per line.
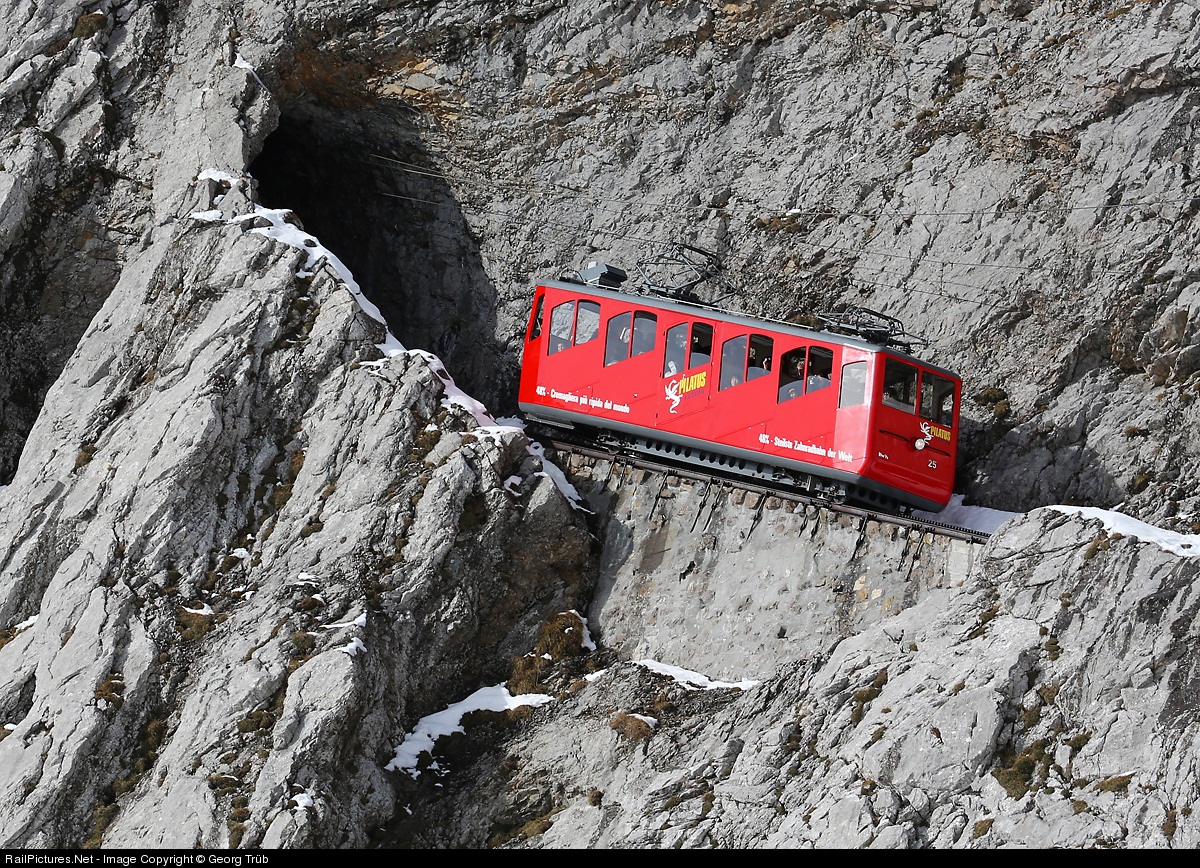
(717, 479)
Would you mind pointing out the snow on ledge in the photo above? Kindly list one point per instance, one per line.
(429, 729)
(694, 680)
(293, 236)
(1184, 545)
(588, 643)
(980, 518)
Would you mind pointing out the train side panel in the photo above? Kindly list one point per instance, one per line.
(850, 411)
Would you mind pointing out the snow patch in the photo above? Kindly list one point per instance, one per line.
(429, 729)
(1184, 545)
(354, 647)
(360, 621)
(694, 680)
(551, 471)
(587, 642)
(980, 518)
(241, 63)
(303, 801)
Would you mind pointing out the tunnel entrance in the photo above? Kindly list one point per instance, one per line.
(354, 178)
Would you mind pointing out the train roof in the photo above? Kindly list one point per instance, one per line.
(660, 303)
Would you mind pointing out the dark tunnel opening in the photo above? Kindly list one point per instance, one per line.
(349, 176)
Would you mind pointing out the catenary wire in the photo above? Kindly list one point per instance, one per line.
(580, 230)
(412, 168)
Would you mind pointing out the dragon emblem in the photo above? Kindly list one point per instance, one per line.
(673, 395)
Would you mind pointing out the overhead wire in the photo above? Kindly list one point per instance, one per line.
(824, 212)
(584, 230)
(491, 184)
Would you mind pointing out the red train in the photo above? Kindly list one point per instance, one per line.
(829, 413)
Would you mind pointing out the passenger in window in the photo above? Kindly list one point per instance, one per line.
(793, 379)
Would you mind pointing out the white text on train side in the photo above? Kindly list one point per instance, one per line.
(801, 446)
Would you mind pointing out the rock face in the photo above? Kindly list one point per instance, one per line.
(739, 586)
(247, 540)
(225, 568)
(1047, 699)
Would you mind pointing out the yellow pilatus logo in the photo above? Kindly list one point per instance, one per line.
(697, 381)
(940, 433)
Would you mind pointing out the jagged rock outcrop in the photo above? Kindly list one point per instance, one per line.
(245, 548)
(255, 550)
(1048, 699)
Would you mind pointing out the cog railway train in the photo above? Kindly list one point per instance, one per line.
(827, 413)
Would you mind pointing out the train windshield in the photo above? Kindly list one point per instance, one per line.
(900, 386)
(535, 330)
(937, 399)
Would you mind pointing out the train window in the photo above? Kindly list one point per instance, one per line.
(758, 364)
(587, 327)
(535, 330)
(562, 319)
(701, 353)
(937, 399)
(820, 369)
(676, 350)
(900, 386)
(791, 375)
(733, 362)
(854, 385)
(616, 345)
(645, 328)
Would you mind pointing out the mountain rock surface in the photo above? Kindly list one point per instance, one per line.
(255, 259)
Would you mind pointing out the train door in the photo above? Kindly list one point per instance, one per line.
(746, 390)
(805, 404)
(899, 444)
(574, 352)
(686, 375)
(628, 390)
(851, 439)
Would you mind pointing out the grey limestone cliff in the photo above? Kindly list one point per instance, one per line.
(248, 540)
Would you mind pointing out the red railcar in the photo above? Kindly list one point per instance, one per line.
(823, 411)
